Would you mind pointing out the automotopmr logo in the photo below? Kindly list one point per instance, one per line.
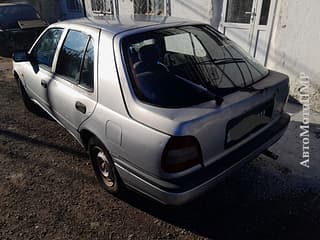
(304, 92)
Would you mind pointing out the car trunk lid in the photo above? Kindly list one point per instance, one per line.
(221, 129)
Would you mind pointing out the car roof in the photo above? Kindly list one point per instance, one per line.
(120, 24)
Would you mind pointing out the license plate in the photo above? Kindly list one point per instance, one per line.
(241, 127)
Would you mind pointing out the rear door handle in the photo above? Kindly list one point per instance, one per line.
(250, 13)
(44, 83)
(81, 107)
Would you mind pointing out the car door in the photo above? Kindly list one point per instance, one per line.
(38, 73)
(73, 90)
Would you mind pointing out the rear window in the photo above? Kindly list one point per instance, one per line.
(185, 66)
(10, 15)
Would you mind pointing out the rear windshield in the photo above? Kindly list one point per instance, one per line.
(10, 15)
(185, 66)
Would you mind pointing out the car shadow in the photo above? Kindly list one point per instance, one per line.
(266, 199)
(20, 137)
(227, 212)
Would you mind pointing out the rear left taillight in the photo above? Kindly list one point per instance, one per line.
(181, 153)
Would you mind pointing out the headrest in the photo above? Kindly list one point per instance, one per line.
(149, 54)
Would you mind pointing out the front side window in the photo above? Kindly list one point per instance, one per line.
(76, 59)
(187, 65)
(46, 47)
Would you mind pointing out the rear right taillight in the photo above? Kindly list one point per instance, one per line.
(181, 153)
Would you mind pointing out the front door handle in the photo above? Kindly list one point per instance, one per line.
(81, 107)
(44, 83)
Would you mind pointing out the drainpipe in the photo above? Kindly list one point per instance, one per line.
(168, 7)
(215, 13)
(84, 8)
(116, 8)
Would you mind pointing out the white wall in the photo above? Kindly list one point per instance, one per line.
(208, 11)
(295, 44)
(125, 7)
(192, 9)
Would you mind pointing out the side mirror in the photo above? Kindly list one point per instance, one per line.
(20, 57)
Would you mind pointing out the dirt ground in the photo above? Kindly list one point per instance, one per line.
(48, 189)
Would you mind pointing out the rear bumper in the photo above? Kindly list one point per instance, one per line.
(181, 190)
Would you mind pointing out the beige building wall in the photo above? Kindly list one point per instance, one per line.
(294, 47)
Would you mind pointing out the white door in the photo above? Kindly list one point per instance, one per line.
(249, 24)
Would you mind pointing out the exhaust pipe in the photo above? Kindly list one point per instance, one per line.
(270, 154)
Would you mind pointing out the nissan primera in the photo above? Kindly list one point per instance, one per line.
(166, 107)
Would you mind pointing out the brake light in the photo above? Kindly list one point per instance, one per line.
(181, 153)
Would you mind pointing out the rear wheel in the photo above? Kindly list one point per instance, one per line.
(103, 166)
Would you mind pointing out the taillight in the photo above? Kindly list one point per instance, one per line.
(181, 153)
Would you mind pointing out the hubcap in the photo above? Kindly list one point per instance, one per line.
(105, 169)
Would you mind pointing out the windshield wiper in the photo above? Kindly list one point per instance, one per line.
(219, 100)
(220, 61)
(229, 61)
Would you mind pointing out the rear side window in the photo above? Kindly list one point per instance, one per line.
(46, 47)
(87, 71)
(71, 55)
(76, 59)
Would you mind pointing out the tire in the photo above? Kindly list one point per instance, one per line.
(104, 167)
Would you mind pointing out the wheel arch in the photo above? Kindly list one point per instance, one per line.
(85, 136)
(16, 75)
(17, 78)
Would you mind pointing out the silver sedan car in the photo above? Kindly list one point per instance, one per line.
(164, 106)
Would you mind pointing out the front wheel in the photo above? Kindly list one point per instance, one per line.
(103, 166)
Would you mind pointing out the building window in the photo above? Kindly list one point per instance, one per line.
(150, 7)
(73, 5)
(102, 7)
